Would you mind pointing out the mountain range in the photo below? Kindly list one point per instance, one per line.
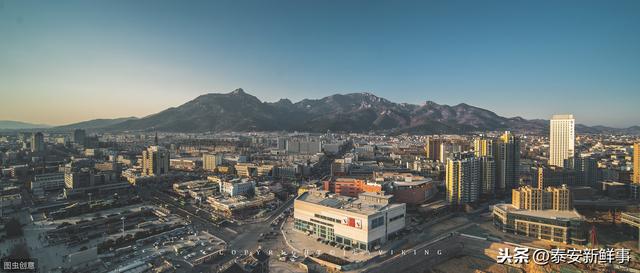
(354, 112)
(93, 124)
(17, 125)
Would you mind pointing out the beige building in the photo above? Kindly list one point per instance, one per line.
(463, 180)
(253, 170)
(432, 148)
(551, 198)
(561, 139)
(543, 214)
(362, 223)
(566, 226)
(155, 161)
(211, 161)
(483, 147)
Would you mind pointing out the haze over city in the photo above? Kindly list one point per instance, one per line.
(68, 61)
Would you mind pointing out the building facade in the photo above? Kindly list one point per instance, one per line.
(237, 187)
(567, 227)
(155, 161)
(483, 147)
(414, 192)
(487, 175)
(463, 180)
(544, 214)
(432, 148)
(80, 137)
(211, 161)
(363, 223)
(551, 198)
(636, 163)
(507, 159)
(561, 140)
(350, 186)
(42, 183)
(37, 142)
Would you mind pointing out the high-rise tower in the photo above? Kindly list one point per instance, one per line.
(463, 180)
(561, 140)
(506, 154)
(37, 142)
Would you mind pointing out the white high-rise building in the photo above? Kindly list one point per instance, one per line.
(562, 139)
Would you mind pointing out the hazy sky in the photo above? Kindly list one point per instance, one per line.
(63, 61)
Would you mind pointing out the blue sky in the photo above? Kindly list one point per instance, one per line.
(67, 61)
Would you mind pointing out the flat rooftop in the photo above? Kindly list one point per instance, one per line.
(412, 183)
(547, 213)
(345, 203)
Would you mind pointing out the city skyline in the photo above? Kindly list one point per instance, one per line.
(362, 136)
(67, 61)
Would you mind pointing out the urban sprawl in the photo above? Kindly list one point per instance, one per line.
(91, 201)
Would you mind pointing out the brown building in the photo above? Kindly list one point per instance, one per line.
(414, 192)
(350, 186)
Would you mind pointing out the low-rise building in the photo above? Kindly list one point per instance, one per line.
(566, 226)
(543, 214)
(408, 188)
(197, 189)
(351, 186)
(10, 200)
(42, 183)
(185, 163)
(237, 186)
(239, 206)
(253, 170)
(362, 223)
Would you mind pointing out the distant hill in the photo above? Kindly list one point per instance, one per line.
(16, 125)
(355, 112)
(93, 124)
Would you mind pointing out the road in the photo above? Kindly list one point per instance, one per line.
(238, 237)
(398, 261)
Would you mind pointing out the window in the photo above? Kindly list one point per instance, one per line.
(396, 217)
(377, 222)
